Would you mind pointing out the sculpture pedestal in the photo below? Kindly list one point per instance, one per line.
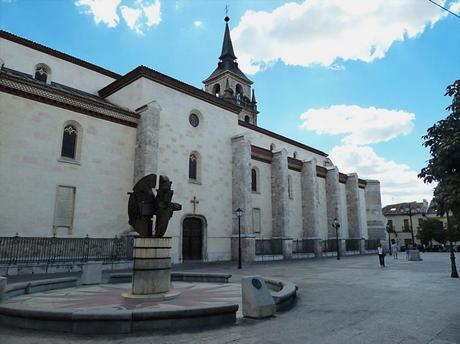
(152, 266)
(414, 255)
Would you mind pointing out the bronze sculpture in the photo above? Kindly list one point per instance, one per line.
(143, 204)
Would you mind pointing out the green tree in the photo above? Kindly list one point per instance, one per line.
(443, 141)
(431, 229)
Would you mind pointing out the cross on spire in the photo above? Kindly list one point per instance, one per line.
(194, 201)
(226, 10)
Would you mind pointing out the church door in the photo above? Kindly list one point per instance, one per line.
(192, 239)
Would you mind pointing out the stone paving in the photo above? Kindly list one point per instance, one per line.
(108, 298)
(348, 301)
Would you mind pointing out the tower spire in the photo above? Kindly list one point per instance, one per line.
(227, 46)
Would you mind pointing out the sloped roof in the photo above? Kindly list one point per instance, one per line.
(24, 85)
(401, 208)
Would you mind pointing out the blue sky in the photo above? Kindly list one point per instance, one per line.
(359, 80)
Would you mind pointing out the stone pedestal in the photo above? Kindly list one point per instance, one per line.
(318, 247)
(152, 266)
(248, 247)
(91, 273)
(414, 255)
(362, 246)
(287, 248)
(2, 288)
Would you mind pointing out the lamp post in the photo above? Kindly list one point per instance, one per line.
(389, 230)
(336, 225)
(408, 211)
(453, 266)
(239, 213)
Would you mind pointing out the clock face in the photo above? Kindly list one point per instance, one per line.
(194, 120)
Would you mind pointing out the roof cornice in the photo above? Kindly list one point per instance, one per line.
(224, 72)
(281, 138)
(165, 80)
(63, 56)
(49, 95)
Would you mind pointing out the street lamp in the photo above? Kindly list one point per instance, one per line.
(453, 266)
(239, 213)
(336, 225)
(408, 211)
(389, 230)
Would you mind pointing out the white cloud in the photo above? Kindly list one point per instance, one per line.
(198, 23)
(455, 7)
(138, 14)
(325, 31)
(398, 182)
(152, 13)
(131, 16)
(362, 125)
(104, 11)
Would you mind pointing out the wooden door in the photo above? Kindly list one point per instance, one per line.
(192, 239)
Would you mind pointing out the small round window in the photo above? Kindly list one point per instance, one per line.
(194, 120)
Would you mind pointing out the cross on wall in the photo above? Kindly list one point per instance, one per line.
(194, 201)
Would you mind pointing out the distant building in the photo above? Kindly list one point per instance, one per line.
(398, 218)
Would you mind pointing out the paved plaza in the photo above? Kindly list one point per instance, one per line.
(348, 301)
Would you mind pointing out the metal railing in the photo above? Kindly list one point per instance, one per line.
(269, 247)
(51, 250)
(303, 246)
(372, 244)
(352, 244)
(330, 245)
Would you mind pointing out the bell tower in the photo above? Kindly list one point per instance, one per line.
(229, 82)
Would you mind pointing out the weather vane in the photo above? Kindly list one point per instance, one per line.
(226, 10)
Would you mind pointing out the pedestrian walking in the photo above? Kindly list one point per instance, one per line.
(381, 253)
(394, 250)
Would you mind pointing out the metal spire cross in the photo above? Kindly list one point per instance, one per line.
(226, 10)
(195, 202)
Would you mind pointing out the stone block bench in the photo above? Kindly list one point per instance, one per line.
(284, 293)
(30, 287)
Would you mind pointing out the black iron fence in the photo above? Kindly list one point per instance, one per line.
(372, 244)
(330, 245)
(352, 244)
(35, 250)
(303, 246)
(269, 247)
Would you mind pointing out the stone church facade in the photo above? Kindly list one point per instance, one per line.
(75, 137)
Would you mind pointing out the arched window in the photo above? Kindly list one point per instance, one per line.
(69, 142)
(247, 119)
(254, 180)
(192, 167)
(238, 89)
(216, 90)
(272, 147)
(294, 155)
(42, 72)
(290, 194)
(238, 93)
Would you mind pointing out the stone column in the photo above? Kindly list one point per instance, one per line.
(147, 141)
(280, 201)
(375, 220)
(333, 205)
(353, 209)
(242, 198)
(310, 204)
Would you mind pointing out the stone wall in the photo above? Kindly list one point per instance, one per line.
(375, 220)
(31, 168)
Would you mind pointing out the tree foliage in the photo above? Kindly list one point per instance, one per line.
(431, 229)
(443, 141)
